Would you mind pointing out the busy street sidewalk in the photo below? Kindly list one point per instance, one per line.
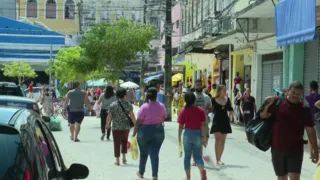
(243, 161)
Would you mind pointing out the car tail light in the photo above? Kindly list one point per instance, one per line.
(27, 174)
(36, 108)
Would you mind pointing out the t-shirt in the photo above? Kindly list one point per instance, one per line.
(192, 117)
(202, 100)
(248, 104)
(289, 123)
(30, 88)
(213, 92)
(152, 113)
(180, 102)
(107, 102)
(312, 98)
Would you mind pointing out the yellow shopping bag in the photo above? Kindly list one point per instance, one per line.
(317, 174)
(134, 148)
(180, 152)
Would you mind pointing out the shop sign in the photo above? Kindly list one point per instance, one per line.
(178, 69)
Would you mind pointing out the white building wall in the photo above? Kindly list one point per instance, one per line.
(266, 46)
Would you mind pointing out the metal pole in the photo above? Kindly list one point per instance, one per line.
(142, 67)
(50, 76)
(168, 61)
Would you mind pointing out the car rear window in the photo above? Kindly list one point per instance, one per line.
(12, 158)
(12, 91)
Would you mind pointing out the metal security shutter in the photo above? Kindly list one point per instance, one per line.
(310, 69)
(272, 77)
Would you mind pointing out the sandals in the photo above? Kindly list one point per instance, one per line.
(117, 163)
(77, 140)
(71, 138)
(139, 175)
(124, 161)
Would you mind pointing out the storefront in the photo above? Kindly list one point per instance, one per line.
(176, 69)
(311, 68)
(272, 74)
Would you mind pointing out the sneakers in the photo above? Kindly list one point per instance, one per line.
(204, 175)
(102, 136)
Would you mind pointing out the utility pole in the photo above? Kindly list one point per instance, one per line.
(142, 68)
(79, 15)
(168, 61)
(50, 76)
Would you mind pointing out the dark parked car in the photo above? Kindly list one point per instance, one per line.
(11, 89)
(28, 150)
(19, 102)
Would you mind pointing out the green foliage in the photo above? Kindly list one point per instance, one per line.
(22, 71)
(114, 45)
(66, 64)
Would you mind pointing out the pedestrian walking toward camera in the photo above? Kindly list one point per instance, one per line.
(221, 122)
(106, 99)
(203, 101)
(193, 119)
(119, 112)
(78, 98)
(313, 99)
(290, 118)
(248, 107)
(150, 131)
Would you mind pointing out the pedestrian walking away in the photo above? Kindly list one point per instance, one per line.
(193, 119)
(77, 98)
(106, 99)
(150, 129)
(290, 118)
(119, 112)
(221, 122)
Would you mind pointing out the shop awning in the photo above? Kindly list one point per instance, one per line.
(295, 21)
(150, 78)
(180, 58)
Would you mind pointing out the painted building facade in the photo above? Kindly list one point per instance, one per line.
(58, 15)
(8, 9)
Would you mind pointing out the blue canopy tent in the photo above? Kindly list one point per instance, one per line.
(150, 78)
(99, 82)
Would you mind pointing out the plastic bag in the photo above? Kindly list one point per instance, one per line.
(134, 148)
(55, 124)
(317, 174)
(207, 157)
(180, 151)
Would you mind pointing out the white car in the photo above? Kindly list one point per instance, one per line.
(36, 92)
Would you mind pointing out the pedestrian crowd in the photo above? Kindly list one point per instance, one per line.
(291, 119)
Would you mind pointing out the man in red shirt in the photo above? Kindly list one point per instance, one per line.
(290, 120)
(31, 90)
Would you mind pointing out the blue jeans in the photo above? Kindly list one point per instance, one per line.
(192, 143)
(150, 139)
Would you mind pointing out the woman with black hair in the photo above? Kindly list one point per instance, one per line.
(150, 131)
(118, 114)
(106, 98)
(193, 119)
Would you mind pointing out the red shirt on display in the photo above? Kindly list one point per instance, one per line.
(289, 123)
(192, 117)
(30, 88)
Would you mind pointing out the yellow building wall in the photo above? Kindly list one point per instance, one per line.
(64, 26)
(238, 64)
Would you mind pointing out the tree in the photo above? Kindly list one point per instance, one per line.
(20, 70)
(65, 65)
(114, 45)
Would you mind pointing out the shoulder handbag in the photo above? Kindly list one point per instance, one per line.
(128, 117)
(259, 131)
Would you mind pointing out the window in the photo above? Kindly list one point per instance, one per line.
(51, 9)
(69, 9)
(177, 24)
(43, 144)
(32, 9)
